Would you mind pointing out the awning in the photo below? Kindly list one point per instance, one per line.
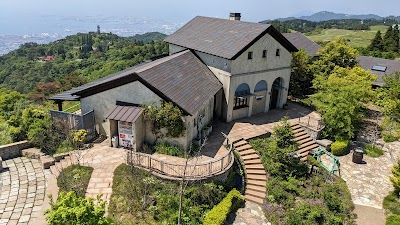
(125, 113)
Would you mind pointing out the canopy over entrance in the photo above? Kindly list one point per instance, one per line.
(125, 113)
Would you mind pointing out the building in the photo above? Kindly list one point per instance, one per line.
(216, 68)
(377, 66)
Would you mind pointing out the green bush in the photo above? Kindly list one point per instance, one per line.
(70, 209)
(393, 220)
(220, 212)
(391, 203)
(395, 178)
(340, 147)
(168, 149)
(373, 151)
(75, 178)
(389, 138)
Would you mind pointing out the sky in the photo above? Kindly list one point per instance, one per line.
(252, 10)
(20, 12)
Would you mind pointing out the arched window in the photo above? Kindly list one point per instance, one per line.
(261, 86)
(242, 94)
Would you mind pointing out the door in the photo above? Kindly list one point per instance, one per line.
(274, 98)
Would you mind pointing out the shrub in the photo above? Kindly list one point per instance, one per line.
(392, 203)
(70, 209)
(340, 147)
(373, 151)
(168, 149)
(75, 178)
(393, 220)
(395, 179)
(220, 212)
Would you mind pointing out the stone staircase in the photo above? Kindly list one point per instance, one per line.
(306, 143)
(255, 172)
(62, 163)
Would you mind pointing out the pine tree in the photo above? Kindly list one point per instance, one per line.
(396, 37)
(377, 42)
(388, 40)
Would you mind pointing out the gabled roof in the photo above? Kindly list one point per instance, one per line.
(367, 62)
(224, 38)
(180, 78)
(302, 42)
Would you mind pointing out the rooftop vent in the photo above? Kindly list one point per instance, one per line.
(234, 16)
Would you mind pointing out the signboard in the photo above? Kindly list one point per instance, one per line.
(126, 133)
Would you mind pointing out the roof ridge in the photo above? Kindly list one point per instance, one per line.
(160, 61)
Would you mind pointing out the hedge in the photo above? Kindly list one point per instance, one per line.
(339, 147)
(220, 212)
(393, 219)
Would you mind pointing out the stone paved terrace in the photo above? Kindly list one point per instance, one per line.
(22, 188)
(369, 182)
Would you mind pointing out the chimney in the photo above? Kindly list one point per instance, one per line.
(234, 16)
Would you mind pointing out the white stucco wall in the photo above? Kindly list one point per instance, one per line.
(244, 65)
(103, 102)
(215, 61)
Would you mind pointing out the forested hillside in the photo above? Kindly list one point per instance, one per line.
(75, 60)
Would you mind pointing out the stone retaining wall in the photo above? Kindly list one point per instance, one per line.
(13, 150)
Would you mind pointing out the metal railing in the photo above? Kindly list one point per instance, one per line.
(194, 168)
(312, 122)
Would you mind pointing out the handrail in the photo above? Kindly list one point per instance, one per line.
(176, 171)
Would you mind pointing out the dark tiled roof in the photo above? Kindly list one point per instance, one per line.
(367, 62)
(223, 38)
(180, 78)
(125, 113)
(302, 42)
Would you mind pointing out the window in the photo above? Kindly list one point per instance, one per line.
(264, 55)
(379, 68)
(250, 55)
(241, 102)
(278, 52)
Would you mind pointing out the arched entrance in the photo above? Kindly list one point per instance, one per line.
(276, 93)
(241, 101)
(259, 101)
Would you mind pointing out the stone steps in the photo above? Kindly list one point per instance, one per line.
(306, 143)
(255, 172)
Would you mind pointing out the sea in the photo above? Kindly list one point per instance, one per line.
(49, 28)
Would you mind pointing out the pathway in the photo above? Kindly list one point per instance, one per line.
(104, 161)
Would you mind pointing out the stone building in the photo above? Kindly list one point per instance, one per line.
(216, 69)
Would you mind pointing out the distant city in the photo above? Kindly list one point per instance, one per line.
(46, 29)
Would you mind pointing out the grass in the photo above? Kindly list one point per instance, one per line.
(373, 151)
(75, 178)
(356, 38)
(391, 204)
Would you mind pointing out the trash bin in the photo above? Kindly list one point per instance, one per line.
(358, 155)
(114, 141)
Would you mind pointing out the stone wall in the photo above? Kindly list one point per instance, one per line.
(13, 150)
(314, 133)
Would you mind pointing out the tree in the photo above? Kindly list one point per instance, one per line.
(396, 38)
(340, 100)
(300, 81)
(71, 210)
(389, 41)
(377, 42)
(335, 54)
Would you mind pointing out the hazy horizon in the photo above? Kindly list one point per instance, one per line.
(24, 12)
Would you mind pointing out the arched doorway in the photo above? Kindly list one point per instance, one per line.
(276, 92)
(241, 101)
(259, 101)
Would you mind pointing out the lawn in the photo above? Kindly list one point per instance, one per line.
(75, 178)
(356, 38)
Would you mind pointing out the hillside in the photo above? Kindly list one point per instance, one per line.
(325, 16)
(147, 37)
(75, 59)
(355, 38)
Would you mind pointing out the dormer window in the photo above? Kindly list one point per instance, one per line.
(264, 54)
(278, 52)
(250, 55)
